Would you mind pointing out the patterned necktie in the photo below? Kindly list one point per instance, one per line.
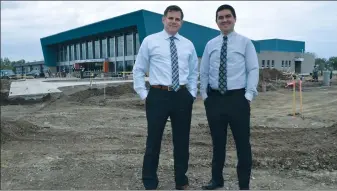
(175, 68)
(223, 67)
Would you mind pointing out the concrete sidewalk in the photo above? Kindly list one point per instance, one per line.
(42, 86)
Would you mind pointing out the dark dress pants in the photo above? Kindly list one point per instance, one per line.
(160, 104)
(233, 109)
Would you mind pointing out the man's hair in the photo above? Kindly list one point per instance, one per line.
(174, 8)
(225, 7)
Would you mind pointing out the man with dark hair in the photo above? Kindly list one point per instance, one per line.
(229, 74)
(172, 64)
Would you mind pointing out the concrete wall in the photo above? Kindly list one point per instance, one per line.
(287, 57)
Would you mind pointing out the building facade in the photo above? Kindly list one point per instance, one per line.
(24, 68)
(285, 55)
(115, 40)
(118, 39)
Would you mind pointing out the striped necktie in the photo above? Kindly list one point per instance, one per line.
(175, 67)
(223, 67)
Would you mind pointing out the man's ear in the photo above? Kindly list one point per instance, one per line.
(163, 19)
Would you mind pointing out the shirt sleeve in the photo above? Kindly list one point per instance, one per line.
(252, 69)
(140, 68)
(193, 72)
(204, 73)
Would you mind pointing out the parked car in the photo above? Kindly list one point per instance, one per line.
(8, 74)
(34, 73)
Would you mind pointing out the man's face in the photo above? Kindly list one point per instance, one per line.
(172, 22)
(225, 21)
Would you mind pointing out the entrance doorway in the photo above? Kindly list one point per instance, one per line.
(298, 67)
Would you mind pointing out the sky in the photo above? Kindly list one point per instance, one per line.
(23, 23)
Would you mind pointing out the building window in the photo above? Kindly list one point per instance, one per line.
(78, 51)
(282, 63)
(120, 45)
(137, 43)
(289, 63)
(263, 64)
(119, 66)
(112, 67)
(84, 51)
(272, 64)
(72, 52)
(268, 63)
(97, 49)
(104, 48)
(129, 65)
(286, 63)
(112, 47)
(90, 50)
(129, 45)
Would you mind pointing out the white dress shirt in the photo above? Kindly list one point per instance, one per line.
(242, 65)
(154, 58)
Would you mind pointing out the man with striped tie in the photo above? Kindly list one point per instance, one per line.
(172, 64)
(229, 74)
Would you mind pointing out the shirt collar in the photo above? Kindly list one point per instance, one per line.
(229, 35)
(167, 36)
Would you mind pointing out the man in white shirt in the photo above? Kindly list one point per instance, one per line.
(229, 74)
(172, 64)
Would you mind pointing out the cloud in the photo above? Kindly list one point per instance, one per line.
(23, 23)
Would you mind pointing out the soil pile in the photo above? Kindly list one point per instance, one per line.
(268, 74)
(4, 91)
(109, 91)
(16, 130)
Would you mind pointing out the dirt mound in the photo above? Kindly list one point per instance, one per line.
(5, 86)
(268, 74)
(109, 91)
(16, 130)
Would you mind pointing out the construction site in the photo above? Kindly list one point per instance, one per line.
(93, 137)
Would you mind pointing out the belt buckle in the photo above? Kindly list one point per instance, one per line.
(169, 88)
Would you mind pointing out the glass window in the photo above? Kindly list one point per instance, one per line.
(78, 51)
(120, 45)
(97, 49)
(119, 66)
(111, 67)
(263, 64)
(289, 63)
(129, 65)
(104, 48)
(64, 54)
(286, 63)
(282, 63)
(129, 44)
(137, 43)
(272, 64)
(112, 47)
(72, 52)
(268, 63)
(90, 50)
(84, 51)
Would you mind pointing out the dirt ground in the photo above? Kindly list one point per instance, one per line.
(78, 140)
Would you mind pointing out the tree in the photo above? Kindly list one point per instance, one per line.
(321, 63)
(333, 62)
(6, 64)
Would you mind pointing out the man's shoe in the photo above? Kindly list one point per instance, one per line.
(212, 186)
(185, 187)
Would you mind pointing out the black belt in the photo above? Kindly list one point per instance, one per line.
(227, 92)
